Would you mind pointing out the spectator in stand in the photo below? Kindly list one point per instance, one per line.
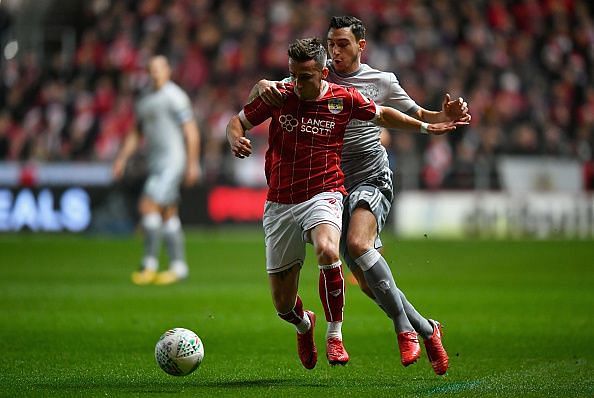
(5, 135)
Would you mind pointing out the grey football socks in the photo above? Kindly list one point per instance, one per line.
(151, 225)
(379, 278)
(421, 325)
(175, 243)
(174, 239)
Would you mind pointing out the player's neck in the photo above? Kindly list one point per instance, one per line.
(355, 66)
(320, 94)
(323, 90)
(159, 85)
(351, 70)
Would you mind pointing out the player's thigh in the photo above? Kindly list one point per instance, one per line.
(362, 228)
(321, 219)
(325, 239)
(324, 208)
(370, 208)
(147, 205)
(169, 211)
(283, 238)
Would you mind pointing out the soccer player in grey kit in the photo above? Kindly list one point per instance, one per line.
(165, 118)
(304, 200)
(368, 180)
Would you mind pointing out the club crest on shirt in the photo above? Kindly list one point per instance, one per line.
(335, 105)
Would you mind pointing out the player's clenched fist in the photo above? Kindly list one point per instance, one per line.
(241, 147)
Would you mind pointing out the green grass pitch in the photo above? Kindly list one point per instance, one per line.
(518, 316)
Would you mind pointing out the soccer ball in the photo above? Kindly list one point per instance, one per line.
(179, 351)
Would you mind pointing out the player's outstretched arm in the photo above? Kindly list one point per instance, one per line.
(240, 144)
(392, 118)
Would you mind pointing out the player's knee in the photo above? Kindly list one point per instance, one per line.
(357, 246)
(327, 253)
(147, 206)
(368, 259)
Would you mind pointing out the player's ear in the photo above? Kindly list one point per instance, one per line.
(325, 72)
(362, 44)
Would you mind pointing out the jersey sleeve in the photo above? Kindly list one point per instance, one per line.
(254, 113)
(182, 107)
(399, 99)
(363, 107)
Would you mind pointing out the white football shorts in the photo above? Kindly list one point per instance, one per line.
(163, 187)
(287, 226)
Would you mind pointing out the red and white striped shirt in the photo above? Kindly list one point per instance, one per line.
(305, 140)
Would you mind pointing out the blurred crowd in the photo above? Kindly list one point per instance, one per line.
(525, 67)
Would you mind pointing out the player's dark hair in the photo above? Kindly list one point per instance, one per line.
(302, 50)
(347, 21)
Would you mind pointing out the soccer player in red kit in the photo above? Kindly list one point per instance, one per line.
(304, 201)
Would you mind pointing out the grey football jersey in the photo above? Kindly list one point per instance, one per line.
(161, 114)
(364, 159)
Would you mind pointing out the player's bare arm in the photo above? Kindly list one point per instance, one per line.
(392, 118)
(192, 136)
(128, 148)
(240, 144)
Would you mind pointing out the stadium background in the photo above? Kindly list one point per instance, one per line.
(70, 70)
(517, 310)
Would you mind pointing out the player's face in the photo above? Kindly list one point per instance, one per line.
(307, 77)
(345, 50)
(159, 71)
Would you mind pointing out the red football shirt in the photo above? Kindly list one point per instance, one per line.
(305, 140)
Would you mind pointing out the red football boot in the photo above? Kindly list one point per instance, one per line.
(335, 352)
(410, 349)
(306, 347)
(435, 351)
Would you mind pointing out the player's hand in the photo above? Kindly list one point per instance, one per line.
(193, 174)
(456, 109)
(118, 168)
(269, 92)
(445, 127)
(241, 147)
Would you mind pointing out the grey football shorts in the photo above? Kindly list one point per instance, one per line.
(379, 205)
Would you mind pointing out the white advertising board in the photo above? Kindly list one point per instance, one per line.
(494, 215)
